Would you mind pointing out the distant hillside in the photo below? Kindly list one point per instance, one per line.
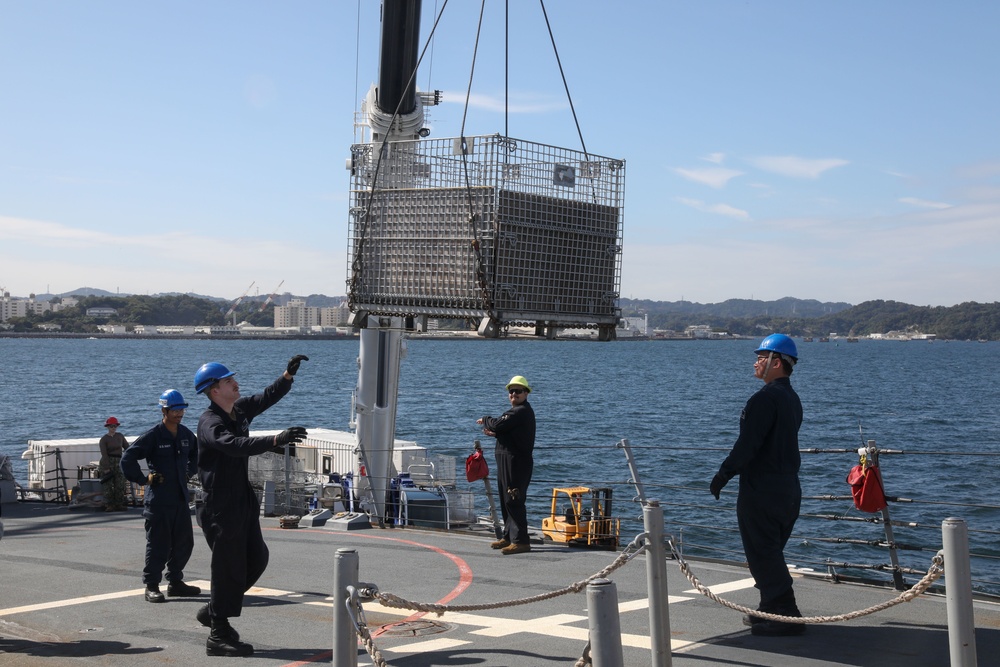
(798, 317)
(317, 300)
(966, 321)
(740, 308)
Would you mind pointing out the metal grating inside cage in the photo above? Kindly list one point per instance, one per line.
(518, 231)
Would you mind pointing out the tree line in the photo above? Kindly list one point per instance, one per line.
(170, 310)
(797, 317)
(966, 321)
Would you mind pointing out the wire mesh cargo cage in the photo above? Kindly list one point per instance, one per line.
(486, 226)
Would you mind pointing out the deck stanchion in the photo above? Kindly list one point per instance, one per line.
(345, 638)
(267, 497)
(288, 481)
(958, 592)
(656, 584)
(605, 626)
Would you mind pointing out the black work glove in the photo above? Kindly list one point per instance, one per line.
(716, 486)
(293, 363)
(290, 436)
(154, 478)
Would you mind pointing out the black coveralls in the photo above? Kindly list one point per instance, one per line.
(169, 536)
(515, 433)
(766, 457)
(230, 515)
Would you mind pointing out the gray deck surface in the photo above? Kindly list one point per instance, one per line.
(70, 593)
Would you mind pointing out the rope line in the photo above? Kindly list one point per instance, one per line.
(396, 602)
(936, 570)
(636, 547)
(361, 627)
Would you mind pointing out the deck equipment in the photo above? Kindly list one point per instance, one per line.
(585, 520)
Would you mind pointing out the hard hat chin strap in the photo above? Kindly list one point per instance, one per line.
(767, 366)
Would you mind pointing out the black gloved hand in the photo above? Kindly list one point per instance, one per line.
(290, 436)
(716, 486)
(154, 478)
(293, 363)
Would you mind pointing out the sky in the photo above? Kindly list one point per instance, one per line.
(838, 151)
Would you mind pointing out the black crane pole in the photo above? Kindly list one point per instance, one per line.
(398, 56)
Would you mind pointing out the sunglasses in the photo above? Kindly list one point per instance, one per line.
(517, 391)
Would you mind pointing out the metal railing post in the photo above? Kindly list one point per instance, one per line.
(267, 498)
(897, 575)
(288, 483)
(605, 626)
(656, 584)
(345, 638)
(958, 592)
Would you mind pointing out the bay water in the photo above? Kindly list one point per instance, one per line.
(676, 402)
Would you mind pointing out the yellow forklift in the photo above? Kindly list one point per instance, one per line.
(579, 525)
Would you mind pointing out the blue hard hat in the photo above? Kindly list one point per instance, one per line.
(209, 374)
(171, 399)
(781, 344)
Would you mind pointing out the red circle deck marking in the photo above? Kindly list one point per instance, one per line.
(464, 571)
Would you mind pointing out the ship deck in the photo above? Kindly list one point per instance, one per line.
(72, 594)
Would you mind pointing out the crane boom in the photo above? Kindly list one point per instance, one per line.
(232, 309)
(270, 298)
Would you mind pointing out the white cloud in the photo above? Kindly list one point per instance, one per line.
(923, 203)
(796, 167)
(718, 209)
(35, 254)
(715, 158)
(715, 177)
(982, 170)
(851, 259)
(516, 104)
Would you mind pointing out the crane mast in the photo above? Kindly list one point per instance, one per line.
(394, 111)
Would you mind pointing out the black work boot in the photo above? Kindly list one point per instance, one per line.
(784, 605)
(223, 640)
(204, 617)
(153, 593)
(750, 620)
(180, 589)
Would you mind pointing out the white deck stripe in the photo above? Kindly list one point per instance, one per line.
(425, 647)
(554, 625)
(729, 587)
(56, 604)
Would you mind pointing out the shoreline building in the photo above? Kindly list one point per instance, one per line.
(297, 315)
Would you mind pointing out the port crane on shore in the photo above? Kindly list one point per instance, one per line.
(232, 308)
(271, 297)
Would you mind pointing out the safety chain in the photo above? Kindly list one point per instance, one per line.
(390, 600)
(936, 570)
(370, 592)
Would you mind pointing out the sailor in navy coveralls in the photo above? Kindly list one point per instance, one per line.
(515, 434)
(171, 455)
(230, 515)
(766, 457)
